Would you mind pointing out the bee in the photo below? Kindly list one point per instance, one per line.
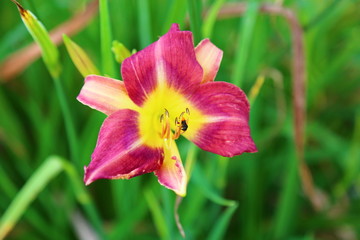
(181, 123)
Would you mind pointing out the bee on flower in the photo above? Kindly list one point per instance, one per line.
(168, 90)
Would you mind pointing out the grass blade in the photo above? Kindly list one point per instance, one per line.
(222, 223)
(157, 214)
(144, 23)
(48, 170)
(176, 14)
(287, 202)
(195, 9)
(243, 48)
(108, 66)
(210, 19)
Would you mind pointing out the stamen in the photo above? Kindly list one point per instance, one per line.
(166, 130)
(181, 124)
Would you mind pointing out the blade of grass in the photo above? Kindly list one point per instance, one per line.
(200, 179)
(176, 14)
(167, 198)
(11, 129)
(108, 66)
(219, 230)
(244, 43)
(48, 170)
(351, 165)
(84, 198)
(124, 228)
(144, 19)
(155, 209)
(195, 9)
(33, 217)
(288, 199)
(211, 18)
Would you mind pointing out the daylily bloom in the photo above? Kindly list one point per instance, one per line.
(168, 90)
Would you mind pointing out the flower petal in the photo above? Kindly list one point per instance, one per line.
(209, 56)
(119, 152)
(171, 174)
(169, 62)
(224, 122)
(104, 94)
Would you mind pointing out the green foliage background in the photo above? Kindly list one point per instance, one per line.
(252, 196)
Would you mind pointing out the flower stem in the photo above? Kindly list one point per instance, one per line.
(69, 124)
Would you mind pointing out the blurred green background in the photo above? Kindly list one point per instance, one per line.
(252, 196)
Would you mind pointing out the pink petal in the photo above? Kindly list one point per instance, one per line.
(171, 174)
(209, 57)
(119, 152)
(168, 62)
(225, 123)
(104, 94)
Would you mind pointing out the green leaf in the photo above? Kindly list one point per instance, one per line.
(47, 171)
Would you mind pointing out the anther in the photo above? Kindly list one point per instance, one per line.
(181, 124)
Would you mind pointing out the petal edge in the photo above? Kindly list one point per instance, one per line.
(209, 57)
(119, 153)
(171, 174)
(105, 94)
(224, 126)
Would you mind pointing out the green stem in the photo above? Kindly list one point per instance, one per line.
(108, 67)
(69, 124)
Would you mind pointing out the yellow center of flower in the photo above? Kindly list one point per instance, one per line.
(165, 116)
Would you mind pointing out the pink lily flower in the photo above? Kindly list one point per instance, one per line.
(168, 90)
